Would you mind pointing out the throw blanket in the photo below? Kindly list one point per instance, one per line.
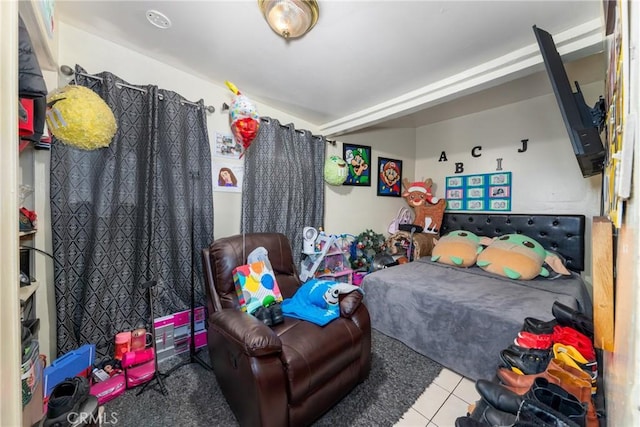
(462, 317)
(317, 301)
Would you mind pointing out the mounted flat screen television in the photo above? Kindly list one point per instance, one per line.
(584, 124)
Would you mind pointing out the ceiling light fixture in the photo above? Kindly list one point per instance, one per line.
(290, 18)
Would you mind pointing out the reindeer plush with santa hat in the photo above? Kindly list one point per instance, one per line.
(428, 210)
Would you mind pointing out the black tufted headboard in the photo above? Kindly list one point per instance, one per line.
(560, 233)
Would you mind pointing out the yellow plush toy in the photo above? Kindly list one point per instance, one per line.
(517, 256)
(459, 248)
(79, 117)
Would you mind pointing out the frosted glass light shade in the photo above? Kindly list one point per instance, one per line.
(290, 18)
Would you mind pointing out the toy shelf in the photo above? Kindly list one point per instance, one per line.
(330, 263)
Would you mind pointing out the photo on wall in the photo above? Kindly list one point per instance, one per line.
(227, 175)
(389, 177)
(226, 146)
(358, 158)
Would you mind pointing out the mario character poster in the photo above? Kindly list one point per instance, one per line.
(357, 158)
(389, 177)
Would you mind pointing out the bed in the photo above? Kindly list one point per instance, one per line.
(463, 317)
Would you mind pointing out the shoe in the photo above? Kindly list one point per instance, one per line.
(558, 399)
(557, 372)
(537, 352)
(567, 316)
(569, 336)
(575, 381)
(538, 327)
(469, 422)
(524, 363)
(276, 313)
(531, 340)
(533, 413)
(498, 396)
(66, 399)
(263, 314)
(542, 391)
(572, 357)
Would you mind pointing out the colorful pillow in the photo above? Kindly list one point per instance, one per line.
(517, 256)
(459, 248)
(256, 286)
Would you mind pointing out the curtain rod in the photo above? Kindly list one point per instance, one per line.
(329, 141)
(68, 71)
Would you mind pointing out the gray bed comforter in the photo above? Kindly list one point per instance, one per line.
(462, 318)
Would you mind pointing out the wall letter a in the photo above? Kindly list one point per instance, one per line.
(443, 157)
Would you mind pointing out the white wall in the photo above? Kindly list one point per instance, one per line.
(95, 55)
(546, 177)
(352, 209)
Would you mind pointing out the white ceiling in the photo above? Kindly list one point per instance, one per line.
(365, 62)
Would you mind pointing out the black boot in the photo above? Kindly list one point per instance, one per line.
(498, 396)
(567, 316)
(530, 414)
(558, 399)
(536, 414)
(65, 402)
(504, 402)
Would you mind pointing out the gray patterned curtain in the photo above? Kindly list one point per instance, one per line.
(138, 210)
(283, 189)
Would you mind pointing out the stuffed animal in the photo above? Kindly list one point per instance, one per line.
(317, 301)
(517, 256)
(428, 209)
(459, 248)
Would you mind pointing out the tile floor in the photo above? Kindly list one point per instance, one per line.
(445, 399)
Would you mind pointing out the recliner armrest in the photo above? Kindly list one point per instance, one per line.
(247, 332)
(349, 303)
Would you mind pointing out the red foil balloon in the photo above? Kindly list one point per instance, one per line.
(243, 119)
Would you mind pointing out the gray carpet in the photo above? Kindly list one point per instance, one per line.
(398, 377)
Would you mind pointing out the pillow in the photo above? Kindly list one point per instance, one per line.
(256, 286)
(459, 248)
(520, 257)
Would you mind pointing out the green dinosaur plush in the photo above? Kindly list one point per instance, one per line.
(520, 257)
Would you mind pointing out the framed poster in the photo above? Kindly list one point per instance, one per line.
(389, 177)
(481, 192)
(358, 158)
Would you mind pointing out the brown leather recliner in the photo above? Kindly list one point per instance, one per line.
(291, 373)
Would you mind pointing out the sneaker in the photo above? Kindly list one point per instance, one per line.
(263, 314)
(276, 313)
(569, 336)
(535, 341)
(65, 400)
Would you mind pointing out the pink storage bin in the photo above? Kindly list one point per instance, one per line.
(108, 390)
(140, 374)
